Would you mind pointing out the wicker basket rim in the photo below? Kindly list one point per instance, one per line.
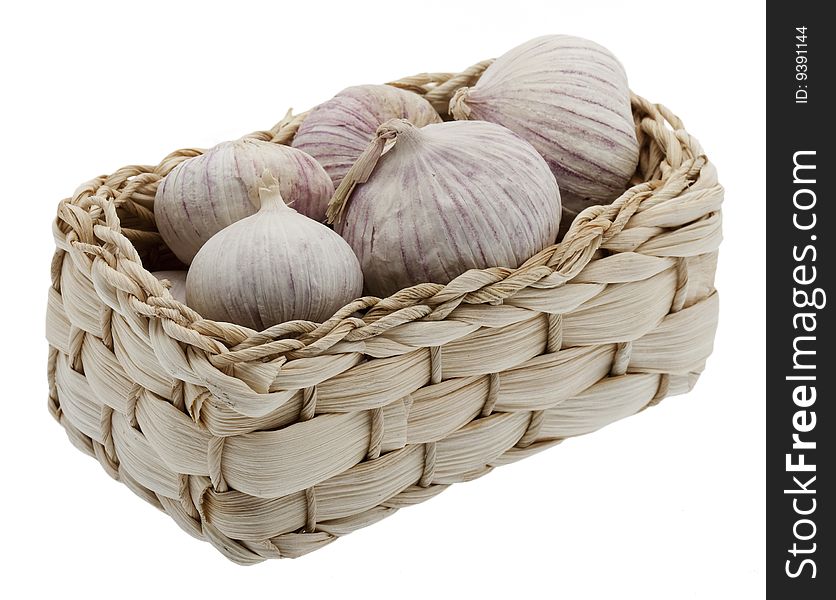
(88, 224)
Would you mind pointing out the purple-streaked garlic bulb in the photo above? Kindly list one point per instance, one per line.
(443, 199)
(274, 266)
(336, 132)
(569, 97)
(176, 283)
(204, 194)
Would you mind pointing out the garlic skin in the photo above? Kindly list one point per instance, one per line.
(336, 132)
(569, 97)
(272, 267)
(444, 199)
(204, 194)
(177, 281)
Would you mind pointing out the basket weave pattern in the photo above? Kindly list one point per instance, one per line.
(272, 444)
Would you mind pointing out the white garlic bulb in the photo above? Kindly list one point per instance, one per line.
(336, 132)
(569, 97)
(176, 282)
(272, 267)
(443, 199)
(204, 194)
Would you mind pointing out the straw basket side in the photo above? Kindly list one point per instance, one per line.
(272, 444)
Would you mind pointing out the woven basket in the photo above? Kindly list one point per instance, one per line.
(272, 444)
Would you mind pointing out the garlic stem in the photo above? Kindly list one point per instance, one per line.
(458, 106)
(360, 171)
(269, 193)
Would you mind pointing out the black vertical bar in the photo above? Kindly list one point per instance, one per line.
(800, 561)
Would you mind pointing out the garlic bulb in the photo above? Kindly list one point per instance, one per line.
(443, 199)
(272, 267)
(177, 283)
(204, 194)
(569, 97)
(336, 132)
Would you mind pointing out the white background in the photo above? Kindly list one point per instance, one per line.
(666, 504)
